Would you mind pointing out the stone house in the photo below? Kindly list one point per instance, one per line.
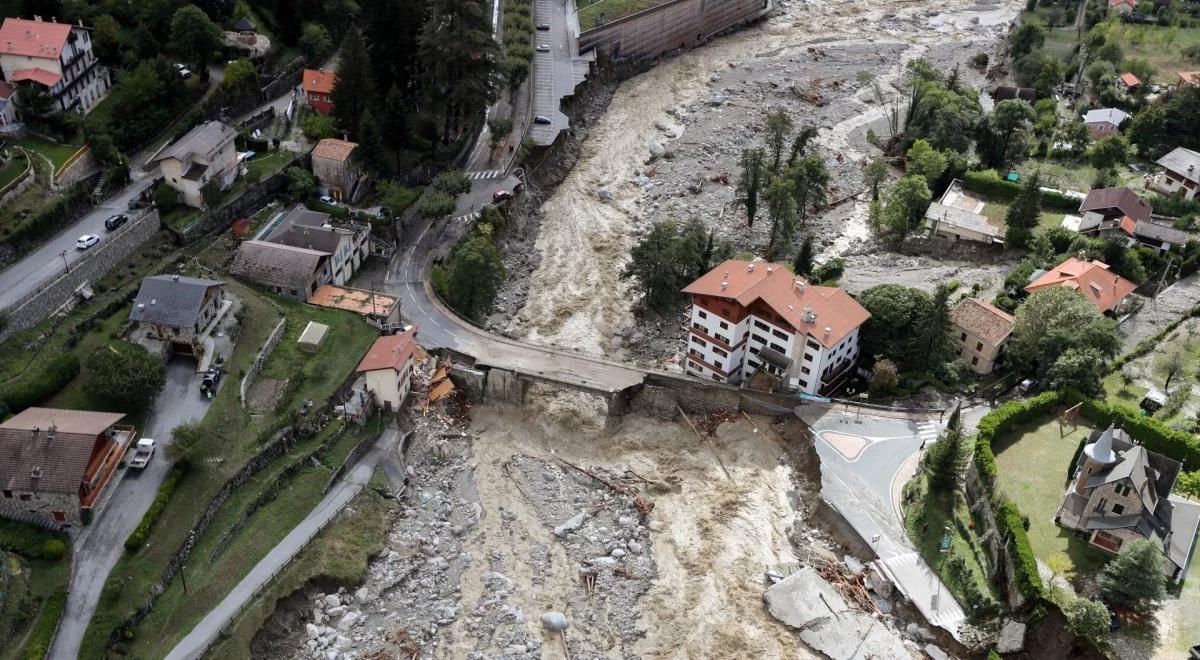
(175, 313)
(336, 170)
(206, 153)
(1121, 492)
(57, 463)
(388, 367)
(980, 331)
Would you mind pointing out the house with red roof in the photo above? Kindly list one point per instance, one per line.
(1122, 7)
(388, 368)
(1104, 288)
(1129, 82)
(318, 87)
(980, 331)
(56, 58)
(752, 317)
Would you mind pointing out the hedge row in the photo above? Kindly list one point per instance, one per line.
(31, 541)
(1003, 419)
(51, 217)
(39, 641)
(1028, 579)
(1151, 433)
(989, 183)
(137, 538)
(44, 382)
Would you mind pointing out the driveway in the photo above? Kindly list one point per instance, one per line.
(101, 544)
(865, 462)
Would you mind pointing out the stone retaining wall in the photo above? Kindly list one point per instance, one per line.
(102, 258)
(82, 167)
(261, 358)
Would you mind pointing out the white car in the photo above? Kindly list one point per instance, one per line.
(86, 241)
(143, 453)
(543, 48)
(329, 200)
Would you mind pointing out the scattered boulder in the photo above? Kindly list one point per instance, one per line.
(803, 597)
(554, 621)
(1012, 637)
(572, 524)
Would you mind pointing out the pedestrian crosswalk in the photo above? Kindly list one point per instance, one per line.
(466, 217)
(928, 431)
(486, 174)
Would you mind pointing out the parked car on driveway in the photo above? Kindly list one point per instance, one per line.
(143, 453)
(543, 48)
(543, 27)
(542, 120)
(329, 200)
(86, 241)
(208, 386)
(115, 222)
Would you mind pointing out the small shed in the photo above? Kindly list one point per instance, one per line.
(313, 336)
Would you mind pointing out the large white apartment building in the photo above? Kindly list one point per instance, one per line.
(748, 316)
(55, 56)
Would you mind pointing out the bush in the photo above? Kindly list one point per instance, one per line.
(137, 538)
(39, 640)
(1028, 580)
(1152, 433)
(166, 198)
(44, 381)
(54, 549)
(453, 182)
(31, 541)
(435, 204)
(830, 271)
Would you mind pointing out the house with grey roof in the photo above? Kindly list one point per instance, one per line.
(1121, 492)
(206, 154)
(172, 313)
(303, 251)
(1180, 173)
(1104, 122)
(956, 216)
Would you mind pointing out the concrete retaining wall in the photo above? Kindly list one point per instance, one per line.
(669, 27)
(102, 258)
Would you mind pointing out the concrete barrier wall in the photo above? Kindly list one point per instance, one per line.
(91, 267)
(672, 26)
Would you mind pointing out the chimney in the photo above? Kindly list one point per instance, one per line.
(51, 432)
(724, 285)
(799, 283)
(175, 277)
(749, 268)
(37, 18)
(36, 472)
(770, 270)
(809, 315)
(154, 301)
(35, 431)
(828, 330)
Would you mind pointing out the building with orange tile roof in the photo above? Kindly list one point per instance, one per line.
(318, 89)
(55, 56)
(1104, 288)
(388, 368)
(980, 332)
(1189, 78)
(1129, 81)
(752, 316)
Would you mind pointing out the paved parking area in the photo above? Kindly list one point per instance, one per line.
(557, 71)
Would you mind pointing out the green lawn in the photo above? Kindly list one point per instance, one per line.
(57, 153)
(13, 168)
(25, 583)
(1033, 463)
(995, 211)
(1162, 46)
(234, 436)
(265, 164)
(593, 13)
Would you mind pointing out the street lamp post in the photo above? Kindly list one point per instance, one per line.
(66, 264)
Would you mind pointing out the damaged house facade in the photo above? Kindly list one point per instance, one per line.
(1121, 492)
(751, 316)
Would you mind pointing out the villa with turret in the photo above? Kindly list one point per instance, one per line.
(1121, 492)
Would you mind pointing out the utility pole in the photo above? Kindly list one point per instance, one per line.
(66, 264)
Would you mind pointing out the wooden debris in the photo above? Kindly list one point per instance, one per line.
(708, 440)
